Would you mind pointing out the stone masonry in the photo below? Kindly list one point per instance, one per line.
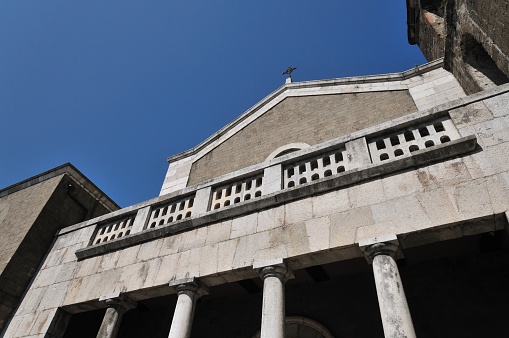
(30, 214)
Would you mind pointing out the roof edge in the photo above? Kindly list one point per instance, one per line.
(74, 173)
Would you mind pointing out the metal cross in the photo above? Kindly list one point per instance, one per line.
(289, 71)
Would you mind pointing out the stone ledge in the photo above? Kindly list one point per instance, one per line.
(419, 158)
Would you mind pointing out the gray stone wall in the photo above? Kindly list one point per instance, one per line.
(308, 119)
(18, 212)
(472, 35)
(431, 35)
(29, 220)
(486, 24)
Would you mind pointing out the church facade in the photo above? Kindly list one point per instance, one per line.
(371, 206)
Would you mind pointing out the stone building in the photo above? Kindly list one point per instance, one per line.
(471, 36)
(31, 212)
(371, 206)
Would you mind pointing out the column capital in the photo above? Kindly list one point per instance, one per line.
(118, 301)
(276, 268)
(384, 245)
(192, 285)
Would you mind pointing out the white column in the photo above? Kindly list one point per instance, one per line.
(188, 290)
(115, 309)
(396, 319)
(273, 308)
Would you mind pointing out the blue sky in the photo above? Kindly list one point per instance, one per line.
(115, 87)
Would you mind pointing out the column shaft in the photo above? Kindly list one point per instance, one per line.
(111, 322)
(188, 291)
(184, 312)
(396, 318)
(116, 306)
(273, 308)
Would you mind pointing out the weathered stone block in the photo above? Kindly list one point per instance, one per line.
(498, 189)
(344, 225)
(244, 226)
(330, 203)
(472, 199)
(270, 219)
(218, 232)
(367, 193)
(149, 250)
(402, 184)
(193, 239)
(226, 254)
(298, 211)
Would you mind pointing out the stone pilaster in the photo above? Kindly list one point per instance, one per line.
(116, 306)
(273, 308)
(188, 291)
(396, 319)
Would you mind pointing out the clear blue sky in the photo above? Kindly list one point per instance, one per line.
(115, 87)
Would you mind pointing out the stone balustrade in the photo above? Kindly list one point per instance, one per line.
(331, 165)
(113, 230)
(406, 141)
(236, 192)
(170, 212)
(316, 167)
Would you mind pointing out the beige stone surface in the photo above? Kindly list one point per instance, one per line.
(366, 193)
(498, 189)
(167, 269)
(402, 184)
(330, 203)
(344, 225)
(318, 233)
(192, 239)
(270, 219)
(298, 211)
(218, 232)
(244, 225)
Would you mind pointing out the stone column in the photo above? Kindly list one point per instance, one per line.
(396, 319)
(273, 308)
(188, 290)
(115, 309)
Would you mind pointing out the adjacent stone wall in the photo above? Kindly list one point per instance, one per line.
(18, 212)
(472, 35)
(29, 220)
(486, 24)
(307, 119)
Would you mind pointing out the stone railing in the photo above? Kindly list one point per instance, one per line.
(315, 167)
(113, 230)
(323, 167)
(236, 192)
(406, 141)
(170, 212)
